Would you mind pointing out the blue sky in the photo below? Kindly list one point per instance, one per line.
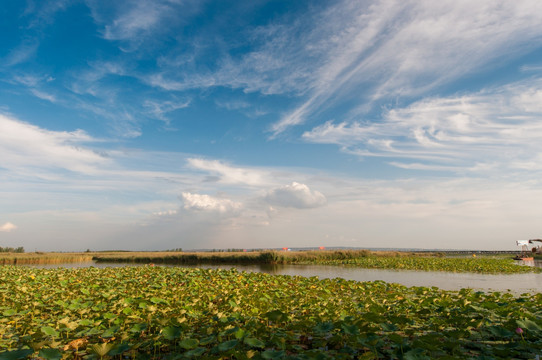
(226, 124)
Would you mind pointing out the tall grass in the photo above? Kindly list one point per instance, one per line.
(43, 258)
(262, 257)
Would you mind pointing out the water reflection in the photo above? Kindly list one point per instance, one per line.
(519, 283)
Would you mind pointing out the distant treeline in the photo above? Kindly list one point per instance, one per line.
(20, 249)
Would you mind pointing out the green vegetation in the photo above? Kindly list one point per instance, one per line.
(175, 313)
(17, 250)
(500, 264)
(361, 258)
(465, 264)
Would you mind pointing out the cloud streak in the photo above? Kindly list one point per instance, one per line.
(24, 145)
(499, 126)
(406, 48)
(230, 174)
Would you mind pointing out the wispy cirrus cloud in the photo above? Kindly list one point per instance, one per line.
(354, 54)
(22, 53)
(44, 95)
(494, 128)
(406, 48)
(160, 109)
(136, 21)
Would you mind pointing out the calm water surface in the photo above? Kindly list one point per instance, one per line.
(520, 283)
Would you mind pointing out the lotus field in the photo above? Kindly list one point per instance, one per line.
(153, 312)
(483, 265)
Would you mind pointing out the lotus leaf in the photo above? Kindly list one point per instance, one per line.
(50, 354)
(230, 314)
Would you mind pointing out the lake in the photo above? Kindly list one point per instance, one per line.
(517, 283)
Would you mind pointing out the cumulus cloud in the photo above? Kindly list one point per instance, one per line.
(7, 227)
(204, 202)
(295, 195)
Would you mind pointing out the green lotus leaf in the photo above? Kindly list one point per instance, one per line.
(197, 352)
(276, 315)
(156, 300)
(9, 312)
(227, 345)
(350, 329)
(207, 340)
(324, 327)
(112, 331)
(240, 333)
(127, 311)
(389, 327)
(102, 349)
(416, 354)
(109, 316)
(253, 342)
(273, 354)
(139, 327)
(50, 354)
(529, 325)
(16, 354)
(171, 332)
(189, 344)
(119, 349)
(49, 331)
(499, 332)
(396, 338)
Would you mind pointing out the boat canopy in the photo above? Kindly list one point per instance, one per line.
(527, 242)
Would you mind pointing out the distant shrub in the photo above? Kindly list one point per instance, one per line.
(20, 249)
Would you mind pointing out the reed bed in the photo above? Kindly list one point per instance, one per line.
(256, 257)
(360, 258)
(43, 258)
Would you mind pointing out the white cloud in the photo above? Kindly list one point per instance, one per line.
(7, 227)
(159, 109)
(142, 16)
(21, 54)
(230, 175)
(29, 79)
(495, 126)
(204, 202)
(23, 145)
(295, 195)
(43, 95)
(136, 21)
(406, 48)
